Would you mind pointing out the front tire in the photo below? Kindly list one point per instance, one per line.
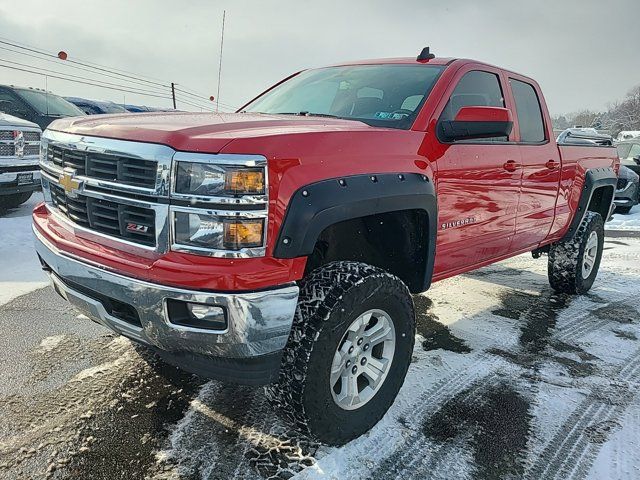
(574, 263)
(348, 352)
(15, 200)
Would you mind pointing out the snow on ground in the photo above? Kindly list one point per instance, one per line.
(20, 272)
(630, 221)
(509, 380)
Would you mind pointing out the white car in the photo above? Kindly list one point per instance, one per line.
(19, 154)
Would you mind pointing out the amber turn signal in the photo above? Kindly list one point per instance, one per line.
(243, 233)
(245, 181)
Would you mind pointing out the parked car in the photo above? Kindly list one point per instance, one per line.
(628, 135)
(96, 107)
(144, 109)
(35, 105)
(19, 153)
(627, 190)
(281, 245)
(629, 153)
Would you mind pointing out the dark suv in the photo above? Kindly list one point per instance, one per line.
(34, 105)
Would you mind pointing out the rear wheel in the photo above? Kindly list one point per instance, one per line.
(574, 263)
(348, 352)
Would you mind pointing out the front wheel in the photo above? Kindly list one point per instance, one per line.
(15, 200)
(574, 263)
(348, 352)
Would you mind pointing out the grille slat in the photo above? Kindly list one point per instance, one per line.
(106, 216)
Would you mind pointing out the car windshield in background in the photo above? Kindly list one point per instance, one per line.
(379, 95)
(48, 104)
(628, 150)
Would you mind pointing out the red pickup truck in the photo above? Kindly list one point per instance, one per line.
(281, 244)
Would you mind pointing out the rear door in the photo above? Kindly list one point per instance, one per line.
(541, 165)
(478, 181)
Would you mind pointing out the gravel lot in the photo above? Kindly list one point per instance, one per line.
(509, 380)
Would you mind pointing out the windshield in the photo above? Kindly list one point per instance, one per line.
(379, 95)
(628, 150)
(49, 104)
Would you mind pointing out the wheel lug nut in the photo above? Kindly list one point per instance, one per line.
(354, 370)
(363, 361)
(348, 363)
(360, 341)
(366, 347)
(350, 349)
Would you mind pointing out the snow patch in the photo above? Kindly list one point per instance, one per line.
(50, 343)
(630, 221)
(21, 272)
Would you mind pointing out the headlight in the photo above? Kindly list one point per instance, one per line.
(216, 232)
(211, 180)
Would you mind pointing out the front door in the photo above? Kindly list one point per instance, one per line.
(478, 183)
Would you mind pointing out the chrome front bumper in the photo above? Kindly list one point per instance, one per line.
(258, 322)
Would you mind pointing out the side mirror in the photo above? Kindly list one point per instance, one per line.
(477, 122)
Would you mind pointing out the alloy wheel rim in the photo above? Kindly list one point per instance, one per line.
(362, 359)
(590, 254)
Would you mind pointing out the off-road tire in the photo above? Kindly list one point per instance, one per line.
(13, 201)
(566, 256)
(331, 298)
(622, 210)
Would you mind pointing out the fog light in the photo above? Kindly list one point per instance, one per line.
(197, 315)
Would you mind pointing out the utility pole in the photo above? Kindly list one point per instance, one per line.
(173, 94)
(224, 13)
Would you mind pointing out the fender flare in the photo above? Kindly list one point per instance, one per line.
(594, 178)
(314, 207)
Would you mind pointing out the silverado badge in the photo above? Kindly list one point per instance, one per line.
(68, 181)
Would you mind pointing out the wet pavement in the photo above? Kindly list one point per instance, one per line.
(509, 380)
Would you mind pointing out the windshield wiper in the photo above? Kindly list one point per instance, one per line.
(307, 114)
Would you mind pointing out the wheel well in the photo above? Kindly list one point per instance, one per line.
(395, 241)
(600, 202)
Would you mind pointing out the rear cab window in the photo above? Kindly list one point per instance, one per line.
(528, 111)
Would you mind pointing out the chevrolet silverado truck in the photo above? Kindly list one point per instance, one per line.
(281, 244)
(19, 154)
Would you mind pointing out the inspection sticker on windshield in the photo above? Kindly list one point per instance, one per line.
(390, 115)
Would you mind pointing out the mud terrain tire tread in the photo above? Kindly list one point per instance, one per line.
(331, 297)
(565, 258)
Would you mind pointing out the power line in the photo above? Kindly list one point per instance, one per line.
(57, 62)
(83, 82)
(84, 63)
(137, 90)
(224, 13)
(151, 89)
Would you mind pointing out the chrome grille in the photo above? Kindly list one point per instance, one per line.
(106, 216)
(6, 134)
(31, 136)
(7, 150)
(112, 168)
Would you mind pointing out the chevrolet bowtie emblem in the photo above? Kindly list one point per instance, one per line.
(68, 181)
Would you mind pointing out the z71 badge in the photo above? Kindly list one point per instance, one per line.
(457, 223)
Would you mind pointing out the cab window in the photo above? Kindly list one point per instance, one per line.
(475, 89)
(529, 112)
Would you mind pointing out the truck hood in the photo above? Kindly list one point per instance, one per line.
(7, 120)
(198, 132)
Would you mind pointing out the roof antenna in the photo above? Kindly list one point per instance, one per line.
(425, 55)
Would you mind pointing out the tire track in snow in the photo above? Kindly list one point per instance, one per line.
(571, 451)
(409, 465)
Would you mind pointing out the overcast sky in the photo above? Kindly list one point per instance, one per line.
(584, 53)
